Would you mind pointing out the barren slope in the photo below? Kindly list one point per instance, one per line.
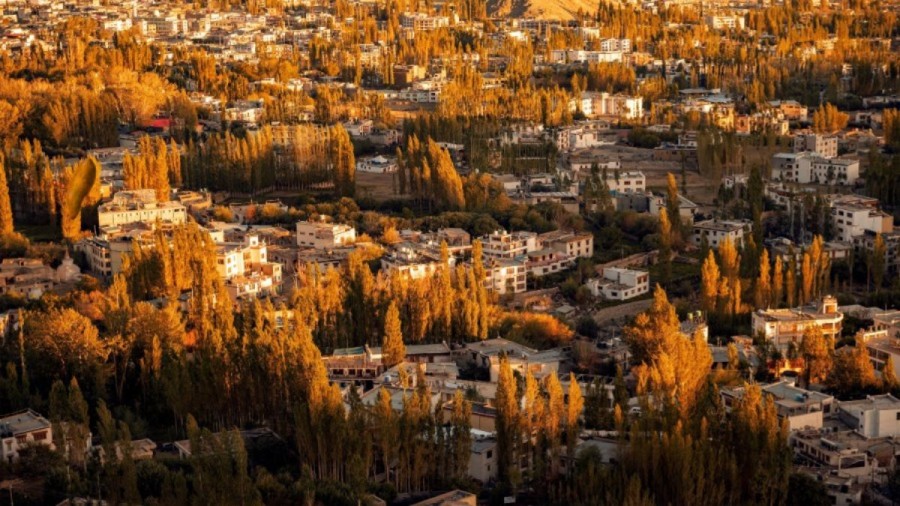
(541, 9)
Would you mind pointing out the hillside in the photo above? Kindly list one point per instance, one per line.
(541, 9)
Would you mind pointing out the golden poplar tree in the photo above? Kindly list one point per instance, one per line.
(646, 335)
(817, 354)
(393, 350)
(777, 283)
(507, 424)
(762, 295)
(709, 286)
(6, 215)
(573, 414)
(807, 277)
(889, 382)
(790, 282)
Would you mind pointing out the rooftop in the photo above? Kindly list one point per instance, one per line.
(22, 422)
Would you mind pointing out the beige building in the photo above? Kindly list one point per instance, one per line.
(324, 235)
(246, 269)
(139, 206)
(573, 244)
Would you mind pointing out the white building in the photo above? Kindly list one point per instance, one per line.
(139, 206)
(872, 417)
(852, 220)
(21, 429)
(324, 235)
(502, 244)
(785, 326)
(826, 146)
(623, 45)
(619, 284)
(618, 105)
(414, 261)
(718, 22)
(505, 276)
(801, 408)
(626, 182)
(808, 168)
(716, 231)
(376, 165)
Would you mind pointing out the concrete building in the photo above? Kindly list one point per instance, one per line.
(246, 269)
(31, 278)
(619, 284)
(505, 276)
(720, 22)
(633, 181)
(873, 417)
(486, 354)
(501, 244)
(21, 429)
(483, 458)
(547, 261)
(414, 261)
(806, 168)
(826, 146)
(324, 235)
(139, 206)
(716, 231)
(852, 220)
(570, 243)
(801, 408)
(785, 326)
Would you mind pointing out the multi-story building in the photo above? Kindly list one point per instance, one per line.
(791, 109)
(420, 21)
(873, 417)
(324, 235)
(246, 269)
(782, 327)
(505, 275)
(619, 284)
(30, 277)
(801, 408)
(866, 242)
(826, 146)
(716, 231)
(718, 22)
(547, 261)
(139, 206)
(623, 45)
(626, 182)
(809, 167)
(570, 243)
(21, 429)
(852, 220)
(414, 261)
(503, 244)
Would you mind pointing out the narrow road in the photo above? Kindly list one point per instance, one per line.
(628, 309)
